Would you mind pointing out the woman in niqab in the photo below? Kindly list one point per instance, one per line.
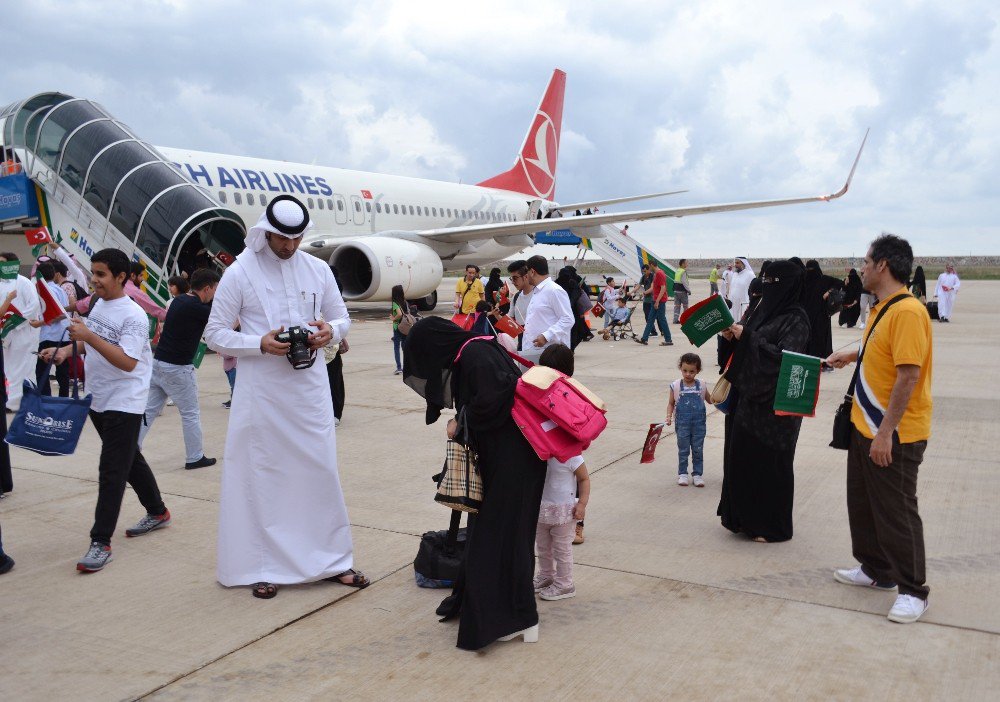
(815, 289)
(852, 300)
(758, 480)
(493, 596)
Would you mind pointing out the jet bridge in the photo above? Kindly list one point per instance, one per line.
(96, 185)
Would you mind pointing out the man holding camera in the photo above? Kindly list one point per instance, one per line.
(282, 517)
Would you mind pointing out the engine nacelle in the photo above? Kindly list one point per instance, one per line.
(369, 267)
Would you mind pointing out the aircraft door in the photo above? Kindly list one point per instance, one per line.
(357, 210)
(340, 208)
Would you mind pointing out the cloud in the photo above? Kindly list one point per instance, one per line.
(733, 102)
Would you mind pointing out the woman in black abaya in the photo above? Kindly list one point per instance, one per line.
(493, 596)
(852, 300)
(815, 290)
(758, 480)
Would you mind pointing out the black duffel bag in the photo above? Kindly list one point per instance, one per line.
(439, 558)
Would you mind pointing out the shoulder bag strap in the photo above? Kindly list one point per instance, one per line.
(857, 366)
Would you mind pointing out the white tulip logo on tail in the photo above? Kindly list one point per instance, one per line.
(540, 170)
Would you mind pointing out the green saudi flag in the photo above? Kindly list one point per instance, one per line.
(798, 385)
(9, 270)
(153, 322)
(199, 354)
(704, 320)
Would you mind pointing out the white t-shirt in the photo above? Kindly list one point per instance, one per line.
(559, 494)
(123, 323)
(519, 310)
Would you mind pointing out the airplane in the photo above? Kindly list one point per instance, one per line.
(378, 230)
(383, 230)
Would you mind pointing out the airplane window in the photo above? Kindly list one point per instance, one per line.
(329, 204)
(249, 198)
(411, 209)
(263, 199)
(237, 199)
(357, 206)
(395, 209)
(378, 206)
(222, 197)
(434, 211)
(321, 203)
(309, 202)
(340, 205)
(368, 206)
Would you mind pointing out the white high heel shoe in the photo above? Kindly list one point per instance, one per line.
(530, 635)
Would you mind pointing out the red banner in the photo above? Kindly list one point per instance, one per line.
(51, 309)
(652, 439)
(37, 236)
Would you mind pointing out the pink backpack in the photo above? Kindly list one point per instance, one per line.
(558, 415)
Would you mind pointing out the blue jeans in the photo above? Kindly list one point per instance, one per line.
(231, 377)
(690, 439)
(397, 341)
(647, 310)
(178, 383)
(657, 315)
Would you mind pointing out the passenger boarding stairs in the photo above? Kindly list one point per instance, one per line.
(89, 179)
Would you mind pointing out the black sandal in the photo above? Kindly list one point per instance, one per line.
(264, 591)
(359, 580)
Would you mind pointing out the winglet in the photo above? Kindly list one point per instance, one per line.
(850, 175)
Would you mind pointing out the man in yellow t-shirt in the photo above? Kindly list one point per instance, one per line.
(469, 290)
(891, 415)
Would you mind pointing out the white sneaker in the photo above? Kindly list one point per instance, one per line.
(698, 481)
(682, 480)
(552, 593)
(856, 576)
(861, 325)
(907, 609)
(336, 422)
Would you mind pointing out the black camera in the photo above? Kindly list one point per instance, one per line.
(298, 354)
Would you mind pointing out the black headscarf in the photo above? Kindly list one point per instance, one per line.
(854, 288)
(492, 285)
(428, 354)
(781, 289)
(919, 281)
(755, 291)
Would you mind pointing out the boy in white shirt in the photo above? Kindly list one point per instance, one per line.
(118, 364)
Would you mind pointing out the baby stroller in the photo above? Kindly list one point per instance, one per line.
(621, 330)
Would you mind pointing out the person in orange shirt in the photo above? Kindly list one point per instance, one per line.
(891, 415)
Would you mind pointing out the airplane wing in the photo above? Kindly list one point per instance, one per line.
(589, 225)
(614, 201)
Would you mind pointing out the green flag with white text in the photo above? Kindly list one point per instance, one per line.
(704, 320)
(9, 270)
(798, 385)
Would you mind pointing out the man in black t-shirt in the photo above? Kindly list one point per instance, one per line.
(173, 370)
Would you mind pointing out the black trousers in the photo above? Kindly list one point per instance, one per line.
(335, 371)
(62, 371)
(887, 534)
(121, 463)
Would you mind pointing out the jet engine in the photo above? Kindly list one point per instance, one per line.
(369, 267)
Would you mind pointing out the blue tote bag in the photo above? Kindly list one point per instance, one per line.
(49, 425)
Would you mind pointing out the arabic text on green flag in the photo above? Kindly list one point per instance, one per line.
(706, 319)
(199, 354)
(9, 270)
(798, 385)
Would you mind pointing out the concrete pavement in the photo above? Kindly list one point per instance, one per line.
(669, 604)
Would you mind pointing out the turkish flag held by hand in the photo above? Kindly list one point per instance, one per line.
(51, 309)
(37, 236)
(652, 439)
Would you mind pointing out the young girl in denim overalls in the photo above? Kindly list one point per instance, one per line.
(688, 396)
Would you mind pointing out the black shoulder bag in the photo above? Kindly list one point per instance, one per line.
(842, 420)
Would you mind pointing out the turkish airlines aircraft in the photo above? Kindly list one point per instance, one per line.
(383, 230)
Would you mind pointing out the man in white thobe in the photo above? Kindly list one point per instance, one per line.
(282, 517)
(550, 318)
(947, 288)
(21, 343)
(739, 287)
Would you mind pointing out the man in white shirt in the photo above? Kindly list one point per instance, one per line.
(947, 288)
(550, 317)
(519, 303)
(739, 287)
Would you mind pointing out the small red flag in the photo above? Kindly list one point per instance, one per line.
(37, 236)
(652, 439)
(51, 309)
(225, 257)
(366, 194)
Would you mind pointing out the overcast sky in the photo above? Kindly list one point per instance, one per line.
(734, 101)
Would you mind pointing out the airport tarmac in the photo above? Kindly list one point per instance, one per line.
(669, 604)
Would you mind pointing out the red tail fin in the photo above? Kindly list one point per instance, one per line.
(534, 171)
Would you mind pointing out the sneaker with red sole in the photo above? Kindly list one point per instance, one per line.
(98, 556)
(149, 523)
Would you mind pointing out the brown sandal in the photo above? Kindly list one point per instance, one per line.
(359, 580)
(264, 591)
